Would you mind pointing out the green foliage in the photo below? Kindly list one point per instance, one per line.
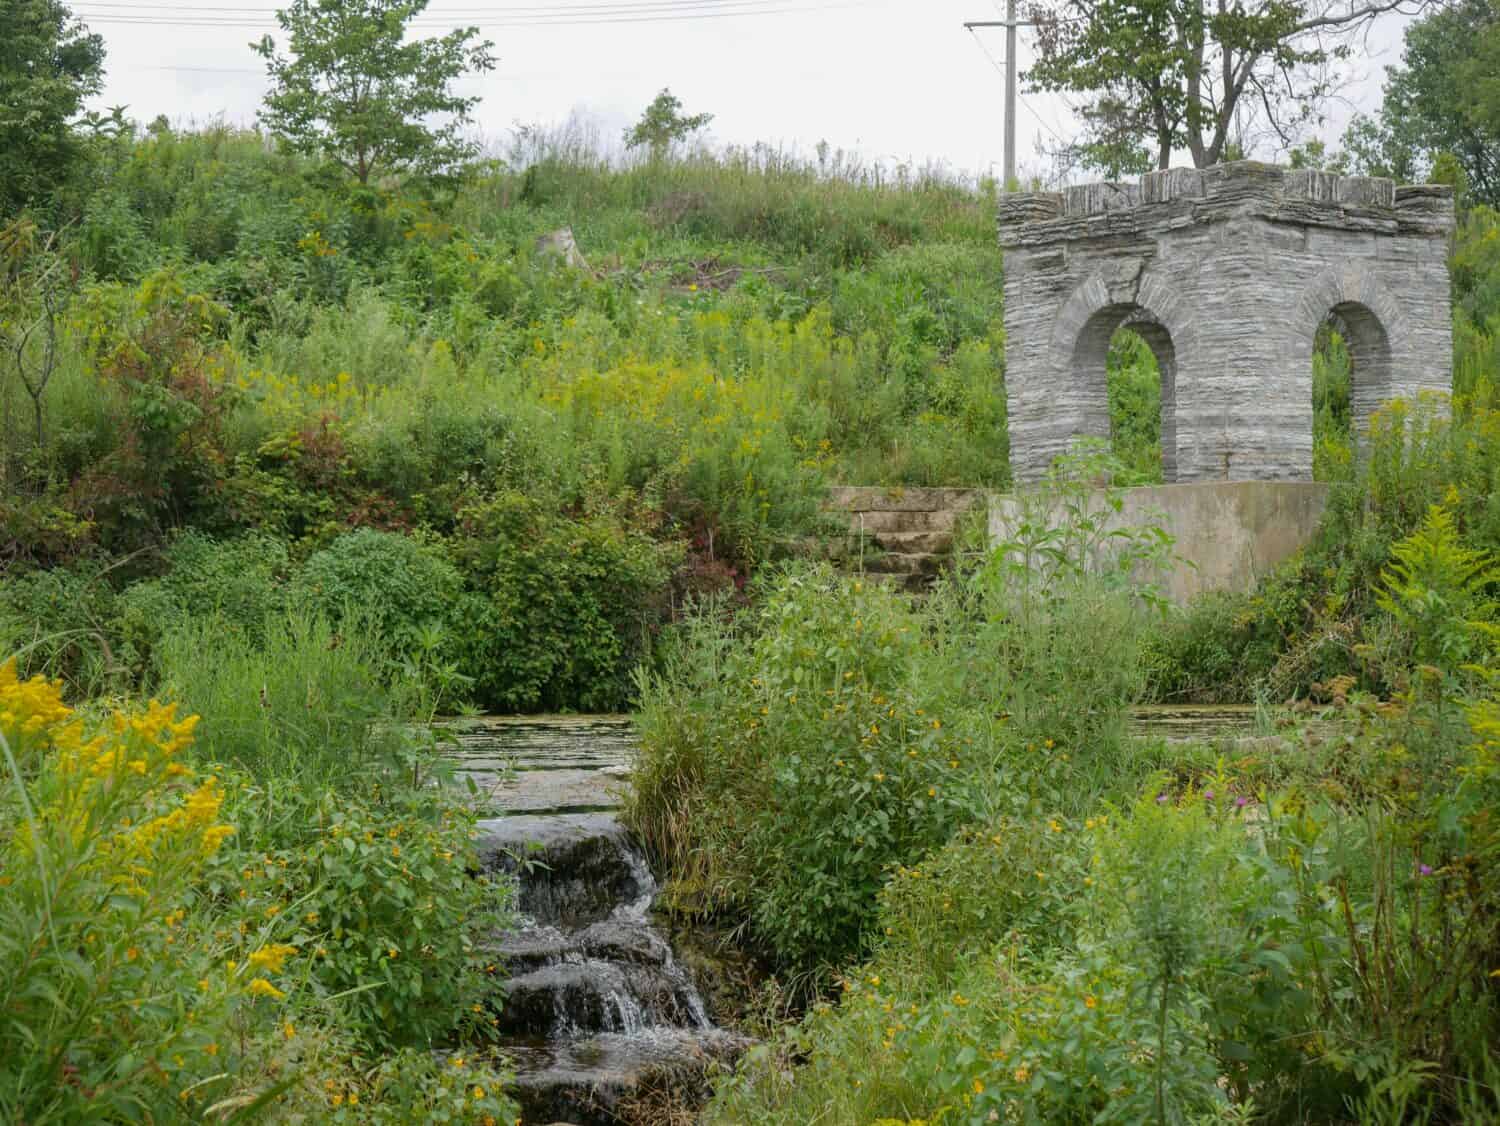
(663, 124)
(1134, 388)
(1157, 80)
(49, 64)
(1438, 101)
(380, 896)
(396, 586)
(819, 767)
(1056, 590)
(1441, 595)
(563, 609)
(59, 623)
(298, 700)
(381, 122)
(1333, 433)
(240, 583)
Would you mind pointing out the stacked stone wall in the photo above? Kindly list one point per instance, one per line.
(1227, 273)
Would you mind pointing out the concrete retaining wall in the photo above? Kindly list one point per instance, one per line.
(1232, 533)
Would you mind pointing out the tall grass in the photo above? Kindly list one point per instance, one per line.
(304, 701)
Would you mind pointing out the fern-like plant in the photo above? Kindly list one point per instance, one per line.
(1439, 593)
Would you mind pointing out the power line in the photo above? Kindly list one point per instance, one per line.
(579, 18)
(596, 7)
(1000, 67)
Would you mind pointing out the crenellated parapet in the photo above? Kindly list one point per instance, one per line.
(1226, 273)
(1179, 196)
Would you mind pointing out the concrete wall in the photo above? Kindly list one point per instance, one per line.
(1232, 533)
(1227, 272)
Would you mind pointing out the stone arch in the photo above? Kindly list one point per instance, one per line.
(1083, 329)
(1372, 323)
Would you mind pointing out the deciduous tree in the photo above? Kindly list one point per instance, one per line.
(356, 90)
(49, 63)
(663, 125)
(1204, 76)
(1444, 97)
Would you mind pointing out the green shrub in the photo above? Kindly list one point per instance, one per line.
(379, 897)
(564, 608)
(61, 623)
(1023, 628)
(1010, 884)
(396, 586)
(241, 583)
(1215, 650)
(799, 764)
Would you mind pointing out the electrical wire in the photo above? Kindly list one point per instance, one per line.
(637, 14)
(1000, 67)
(590, 7)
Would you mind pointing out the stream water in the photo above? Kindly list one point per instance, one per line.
(599, 1013)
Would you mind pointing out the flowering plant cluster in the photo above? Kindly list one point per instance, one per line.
(105, 973)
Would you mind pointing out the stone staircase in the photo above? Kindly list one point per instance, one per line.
(902, 537)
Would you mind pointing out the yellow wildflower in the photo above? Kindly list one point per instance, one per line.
(272, 958)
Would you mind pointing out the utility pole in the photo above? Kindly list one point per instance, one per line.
(1010, 23)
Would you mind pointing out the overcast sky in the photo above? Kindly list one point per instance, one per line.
(895, 80)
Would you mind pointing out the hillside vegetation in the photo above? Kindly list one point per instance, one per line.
(320, 462)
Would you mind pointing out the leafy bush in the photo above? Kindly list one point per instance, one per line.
(564, 608)
(240, 583)
(397, 587)
(800, 764)
(114, 1006)
(1025, 626)
(61, 624)
(380, 901)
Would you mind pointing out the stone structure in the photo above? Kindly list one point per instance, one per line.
(1227, 273)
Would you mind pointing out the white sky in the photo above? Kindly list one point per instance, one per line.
(894, 80)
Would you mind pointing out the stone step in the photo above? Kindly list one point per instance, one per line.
(612, 940)
(900, 584)
(569, 999)
(914, 543)
(572, 869)
(585, 1082)
(878, 523)
(556, 791)
(906, 564)
(863, 498)
(551, 742)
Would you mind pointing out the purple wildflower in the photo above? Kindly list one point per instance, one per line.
(1208, 795)
(1161, 799)
(1424, 869)
(1242, 801)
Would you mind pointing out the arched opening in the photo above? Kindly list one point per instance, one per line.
(1126, 358)
(1351, 376)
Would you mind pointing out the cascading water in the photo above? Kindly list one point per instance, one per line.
(598, 1010)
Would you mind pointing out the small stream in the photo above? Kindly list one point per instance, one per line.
(599, 1013)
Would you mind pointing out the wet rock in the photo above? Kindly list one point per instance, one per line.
(590, 1082)
(573, 869)
(569, 998)
(625, 942)
(604, 1024)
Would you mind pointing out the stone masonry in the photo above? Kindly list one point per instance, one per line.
(1227, 273)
